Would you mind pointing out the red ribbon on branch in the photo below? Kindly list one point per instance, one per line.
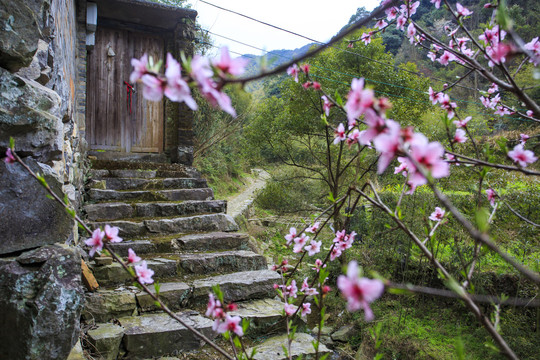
(129, 92)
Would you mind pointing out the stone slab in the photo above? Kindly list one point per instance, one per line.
(246, 285)
(158, 334)
(272, 349)
(211, 241)
(173, 294)
(151, 195)
(115, 273)
(106, 340)
(223, 262)
(104, 305)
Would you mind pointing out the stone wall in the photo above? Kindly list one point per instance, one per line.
(42, 101)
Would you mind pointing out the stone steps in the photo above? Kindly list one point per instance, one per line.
(123, 210)
(116, 183)
(213, 241)
(174, 265)
(150, 195)
(167, 215)
(175, 225)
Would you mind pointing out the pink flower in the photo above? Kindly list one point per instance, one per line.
(306, 289)
(111, 233)
(366, 38)
(493, 88)
(523, 138)
(391, 13)
(429, 155)
(358, 99)
(293, 71)
(339, 134)
(521, 156)
(326, 105)
(353, 137)
(411, 31)
(534, 46)
(299, 243)
(462, 11)
(291, 290)
(491, 194)
(177, 89)
(388, 145)
(400, 22)
(437, 215)
(305, 68)
(144, 274)
(291, 235)
(316, 86)
(306, 85)
(313, 248)
(132, 257)
(9, 159)
(446, 104)
(381, 24)
(201, 71)
(402, 168)
(96, 241)
(335, 253)
(153, 87)
(290, 309)
(350, 45)
(498, 53)
(318, 264)
(140, 67)
(313, 228)
(491, 36)
(529, 113)
(462, 123)
(228, 66)
(232, 324)
(432, 55)
(306, 309)
(213, 304)
(446, 58)
(502, 110)
(460, 136)
(434, 96)
(359, 292)
(437, 3)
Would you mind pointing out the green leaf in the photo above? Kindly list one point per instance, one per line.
(324, 119)
(245, 325)
(339, 100)
(12, 143)
(49, 196)
(325, 356)
(453, 285)
(503, 19)
(237, 343)
(502, 144)
(285, 351)
(66, 200)
(482, 217)
(71, 212)
(400, 291)
(226, 335)
(41, 180)
(157, 287)
(331, 197)
(158, 304)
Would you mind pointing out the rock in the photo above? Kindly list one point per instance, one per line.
(103, 260)
(40, 303)
(105, 305)
(264, 315)
(38, 67)
(22, 23)
(77, 352)
(29, 218)
(272, 349)
(29, 112)
(106, 339)
(344, 333)
(211, 241)
(227, 261)
(326, 338)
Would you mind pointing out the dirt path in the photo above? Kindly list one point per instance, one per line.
(240, 203)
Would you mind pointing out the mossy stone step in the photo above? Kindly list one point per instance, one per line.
(151, 195)
(158, 334)
(123, 210)
(115, 274)
(176, 225)
(245, 285)
(272, 349)
(223, 262)
(115, 183)
(211, 241)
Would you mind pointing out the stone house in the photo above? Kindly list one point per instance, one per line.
(64, 94)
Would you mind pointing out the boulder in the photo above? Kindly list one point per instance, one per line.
(345, 333)
(29, 218)
(105, 339)
(40, 303)
(22, 23)
(29, 112)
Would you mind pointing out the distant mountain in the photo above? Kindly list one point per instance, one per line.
(269, 61)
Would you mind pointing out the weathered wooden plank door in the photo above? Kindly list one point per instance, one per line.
(115, 119)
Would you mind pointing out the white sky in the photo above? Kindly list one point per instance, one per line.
(317, 19)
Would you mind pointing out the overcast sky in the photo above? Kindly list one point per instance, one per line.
(317, 19)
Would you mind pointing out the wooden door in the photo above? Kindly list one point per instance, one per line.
(115, 119)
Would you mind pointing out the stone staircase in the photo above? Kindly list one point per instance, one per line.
(168, 216)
